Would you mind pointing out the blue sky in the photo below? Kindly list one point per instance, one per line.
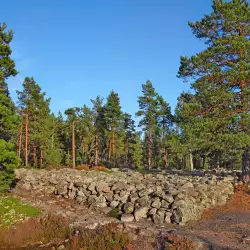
(79, 49)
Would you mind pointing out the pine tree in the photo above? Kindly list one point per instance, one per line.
(8, 118)
(114, 126)
(35, 106)
(98, 130)
(52, 152)
(148, 109)
(165, 121)
(72, 117)
(84, 133)
(129, 139)
(221, 76)
(137, 152)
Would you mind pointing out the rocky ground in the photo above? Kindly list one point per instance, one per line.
(223, 227)
(159, 198)
(208, 211)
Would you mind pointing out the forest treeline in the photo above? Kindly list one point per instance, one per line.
(209, 127)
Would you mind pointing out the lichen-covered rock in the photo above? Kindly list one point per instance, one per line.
(162, 198)
(128, 208)
(127, 218)
(141, 213)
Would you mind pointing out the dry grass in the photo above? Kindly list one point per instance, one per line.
(107, 237)
(95, 168)
(83, 167)
(50, 228)
(176, 242)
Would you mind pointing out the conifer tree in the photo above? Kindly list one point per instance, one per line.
(98, 129)
(221, 76)
(35, 105)
(148, 109)
(129, 139)
(72, 117)
(8, 117)
(114, 126)
(165, 121)
(137, 152)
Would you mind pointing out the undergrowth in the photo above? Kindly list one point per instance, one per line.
(12, 211)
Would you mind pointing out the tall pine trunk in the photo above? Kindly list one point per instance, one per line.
(245, 164)
(204, 162)
(109, 153)
(166, 158)
(83, 153)
(113, 148)
(96, 151)
(34, 156)
(191, 161)
(20, 139)
(244, 103)
(73, 145)
(41, 157)
(26, 138)
(149, 151)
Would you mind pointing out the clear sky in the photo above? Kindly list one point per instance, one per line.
(78, 49)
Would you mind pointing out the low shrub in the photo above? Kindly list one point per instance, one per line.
(107, 237)
(50, 229)
(176, 242)
(100, 168)
(83, 167)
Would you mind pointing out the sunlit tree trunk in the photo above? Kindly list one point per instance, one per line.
(149, 151)
(166, 158)
(34, 156)
(191, 161)
(41, 157)
(26, 139)
(73, 145)
(96, 151)
(20, 139)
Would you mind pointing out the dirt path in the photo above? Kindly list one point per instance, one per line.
(226, 227)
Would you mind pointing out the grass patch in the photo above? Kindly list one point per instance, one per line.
(12, 211)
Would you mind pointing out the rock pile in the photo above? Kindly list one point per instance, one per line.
(160, 198)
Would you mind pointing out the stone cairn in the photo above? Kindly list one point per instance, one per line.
(162, 198)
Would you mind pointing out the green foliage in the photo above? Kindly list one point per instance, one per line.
(215, 118)
(114, 128)
(43, 139)
(12, 210)
(137, 152)
(156, 122)
(8, 118)
(8, 161)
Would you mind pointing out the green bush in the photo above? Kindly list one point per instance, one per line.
(8, 161)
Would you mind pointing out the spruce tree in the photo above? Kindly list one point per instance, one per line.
(220, 75)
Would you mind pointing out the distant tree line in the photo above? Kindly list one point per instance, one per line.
(209, 128)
